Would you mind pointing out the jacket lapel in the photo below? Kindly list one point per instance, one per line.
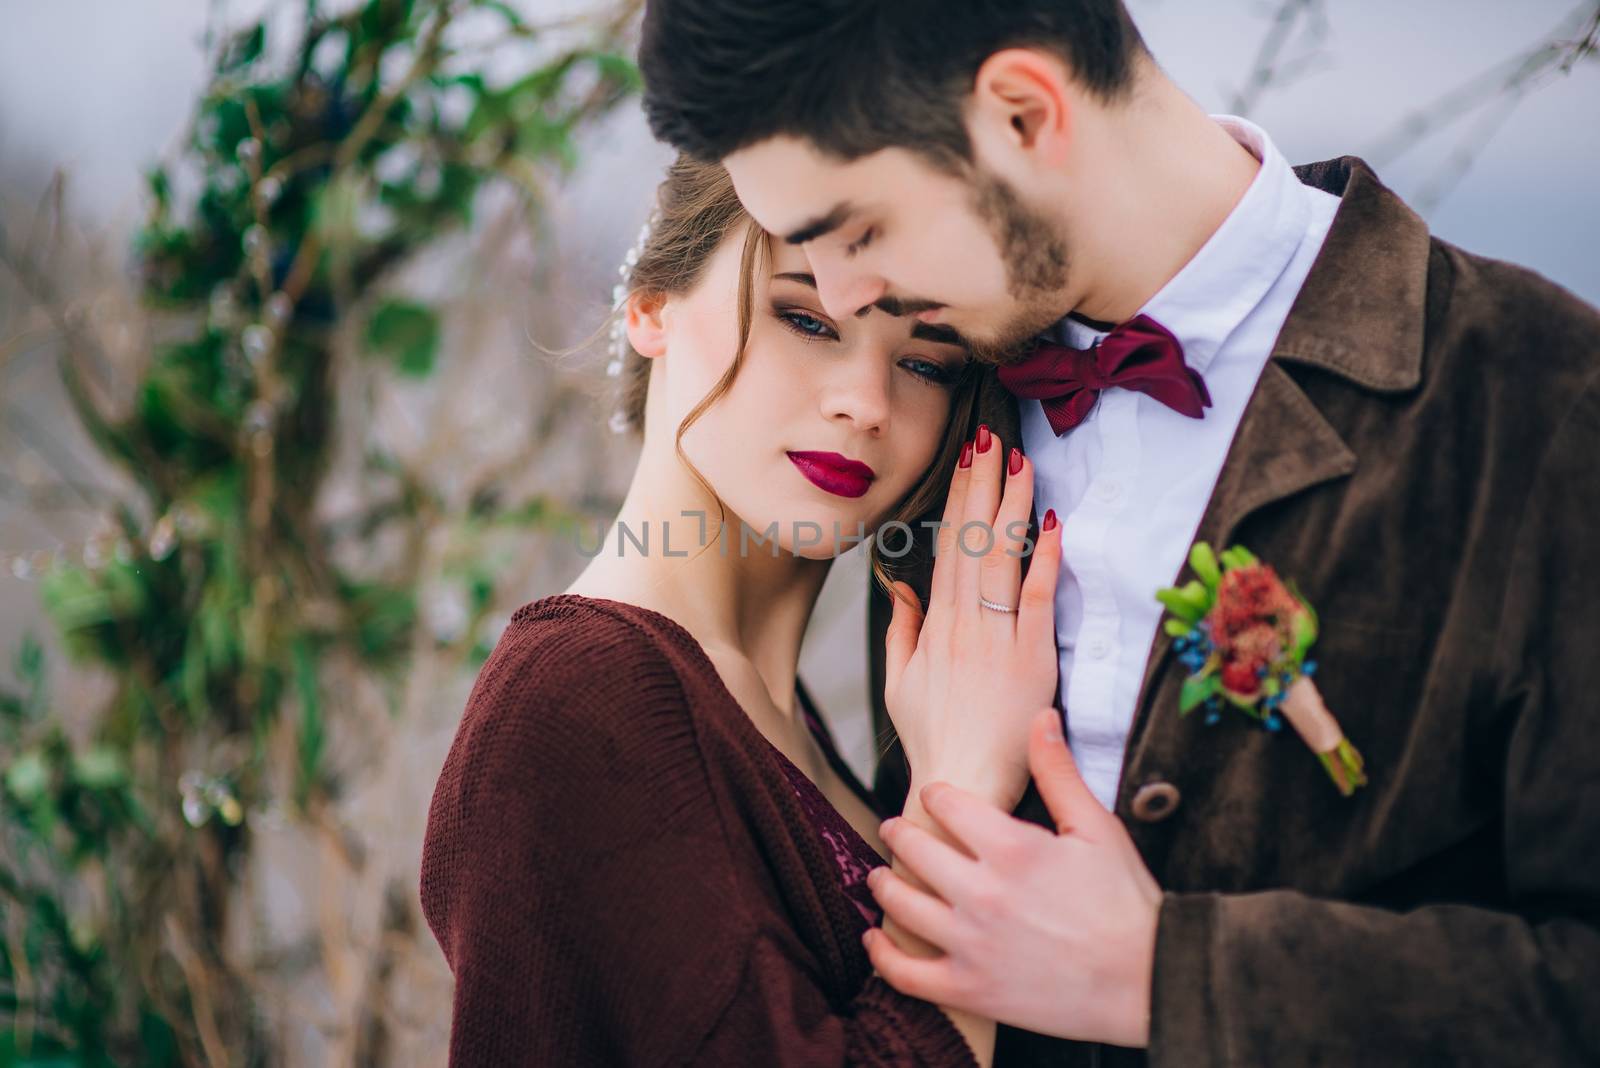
(1360, 316)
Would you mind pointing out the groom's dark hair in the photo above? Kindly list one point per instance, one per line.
(856, 76)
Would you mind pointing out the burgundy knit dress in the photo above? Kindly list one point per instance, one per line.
(621, 870)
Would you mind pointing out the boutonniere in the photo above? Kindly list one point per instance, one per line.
(1244, 636)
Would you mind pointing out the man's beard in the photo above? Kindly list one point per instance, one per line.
(1035, 254)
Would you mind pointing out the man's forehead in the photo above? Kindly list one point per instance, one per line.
(790, 187)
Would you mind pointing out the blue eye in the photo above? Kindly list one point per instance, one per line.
(807, 326)
(934, 374)
(811, 328)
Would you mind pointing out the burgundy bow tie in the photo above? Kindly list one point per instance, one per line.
(1141, 355)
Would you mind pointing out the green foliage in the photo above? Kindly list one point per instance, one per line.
(1238, 556)
(407, 333)
(1305, 629)
(1189, 602)
(325, 162)
(1197, 689)
(1204, 562)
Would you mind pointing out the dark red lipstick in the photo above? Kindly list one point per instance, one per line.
(834, 473)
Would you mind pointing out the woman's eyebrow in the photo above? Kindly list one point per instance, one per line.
(794, 276)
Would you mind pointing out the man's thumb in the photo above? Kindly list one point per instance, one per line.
(1055, 774)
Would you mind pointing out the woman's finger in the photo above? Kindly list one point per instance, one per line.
(976, 532)
(1036, 603)
(1000, 573)
(944, 575)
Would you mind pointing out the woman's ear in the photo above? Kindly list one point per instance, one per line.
(646, 326)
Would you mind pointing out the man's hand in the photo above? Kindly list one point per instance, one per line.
(1053, 933)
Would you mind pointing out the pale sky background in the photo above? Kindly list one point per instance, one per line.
(101, 88)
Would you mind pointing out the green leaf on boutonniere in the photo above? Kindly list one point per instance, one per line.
(1177, 628)
(1238, 556)
(1196, 690)
(1204, 562)
(1181, 606)
(1198, 596)
(1306, 626)
(1304, 632)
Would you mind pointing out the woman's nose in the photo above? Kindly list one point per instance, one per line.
(858, 391)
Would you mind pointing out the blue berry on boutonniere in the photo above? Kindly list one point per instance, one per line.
(1243, 636)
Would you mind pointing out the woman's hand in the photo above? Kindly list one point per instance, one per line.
(963, 681)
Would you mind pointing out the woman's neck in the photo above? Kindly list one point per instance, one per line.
(733, 595)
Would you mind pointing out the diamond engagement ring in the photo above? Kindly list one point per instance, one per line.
(995, 606)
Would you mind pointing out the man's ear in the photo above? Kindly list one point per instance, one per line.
(646, 326)
(1022, 101)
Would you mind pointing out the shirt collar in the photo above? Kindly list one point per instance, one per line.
(1234, 270)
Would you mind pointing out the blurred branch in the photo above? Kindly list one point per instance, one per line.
(195, 976)
(21, 344)
(1493, 95)
(37, 449)
(1271, 70)
(84, 366)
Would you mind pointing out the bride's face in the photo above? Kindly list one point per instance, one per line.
(827, 424)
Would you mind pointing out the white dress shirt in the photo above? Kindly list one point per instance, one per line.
(1132, 481)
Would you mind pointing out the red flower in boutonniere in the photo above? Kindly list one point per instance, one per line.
(1244, 635)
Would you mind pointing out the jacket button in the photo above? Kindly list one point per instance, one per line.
(1155, 801)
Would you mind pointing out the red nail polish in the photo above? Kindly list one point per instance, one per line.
(1049, 520)
(966, 455)
(1016, 462)
(985, 439)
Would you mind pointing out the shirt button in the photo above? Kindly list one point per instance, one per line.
(1154, 801)
(1097, 649)
(1108, 491)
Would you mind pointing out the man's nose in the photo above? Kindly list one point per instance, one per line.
(843, 292)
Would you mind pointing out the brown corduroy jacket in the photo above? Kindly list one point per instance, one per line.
(1422, 456)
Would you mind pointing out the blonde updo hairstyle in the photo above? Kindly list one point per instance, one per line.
(696, 211)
